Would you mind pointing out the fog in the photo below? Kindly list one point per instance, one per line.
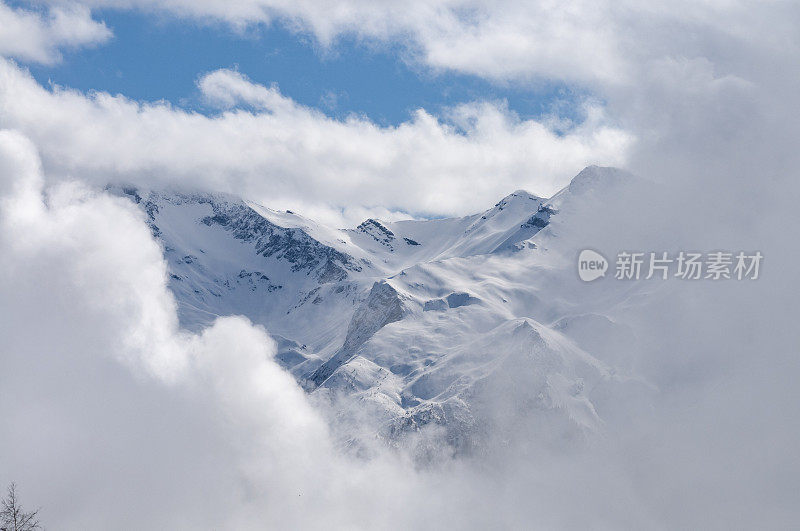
(114, 417)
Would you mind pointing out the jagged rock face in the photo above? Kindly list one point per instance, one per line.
(542, 217)
(148, 205)
(378, 232)
(224, 258)
(426, 322)
(381, 307)
(292, 245)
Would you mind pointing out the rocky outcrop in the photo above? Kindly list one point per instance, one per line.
(380, 233)
(290, 244)
(381, 307)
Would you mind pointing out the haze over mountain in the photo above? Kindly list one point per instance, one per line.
(422, 322)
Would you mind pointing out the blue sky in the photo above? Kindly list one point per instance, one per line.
(439, 163)
(153, 58)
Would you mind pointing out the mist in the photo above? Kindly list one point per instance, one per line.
(116, 417)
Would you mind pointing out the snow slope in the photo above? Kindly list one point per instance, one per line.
(421, 323)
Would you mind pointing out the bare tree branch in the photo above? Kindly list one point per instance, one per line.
(13, 517)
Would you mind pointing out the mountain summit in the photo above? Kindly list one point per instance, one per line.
(416, 320)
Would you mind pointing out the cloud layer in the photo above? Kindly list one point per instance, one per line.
(152, 423)
(660, 71)
(144, 424)
(104, 398)
(591, 42)
(266, 147)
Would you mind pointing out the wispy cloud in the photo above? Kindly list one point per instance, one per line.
(591, 42)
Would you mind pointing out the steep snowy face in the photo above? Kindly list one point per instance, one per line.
(229, 257)
(440, 322)
(292, 245)
(381, 307)
(401, 244)
(591, 187)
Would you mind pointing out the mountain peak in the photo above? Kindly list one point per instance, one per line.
(593, 177)
(519, 200)
(520, 195)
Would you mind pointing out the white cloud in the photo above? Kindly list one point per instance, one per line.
(654, 66)
(92, 328)
(709, 96)
(599, 43)
(284, 154)
(114, 417)
(38, 36)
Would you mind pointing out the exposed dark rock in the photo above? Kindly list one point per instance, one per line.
(454, 300)
(381, 307)
(378, 232)
(434, 305)
(290, 244)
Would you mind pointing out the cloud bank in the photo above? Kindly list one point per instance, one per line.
(590, 42)
(148, 425)
(105, 398)
(265, 146)
(666, 78)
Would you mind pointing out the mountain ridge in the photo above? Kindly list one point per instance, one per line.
(399, 316)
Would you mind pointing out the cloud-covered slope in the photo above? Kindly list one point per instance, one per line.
(415, 320)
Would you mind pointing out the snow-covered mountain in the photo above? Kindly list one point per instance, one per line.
(421, 323)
